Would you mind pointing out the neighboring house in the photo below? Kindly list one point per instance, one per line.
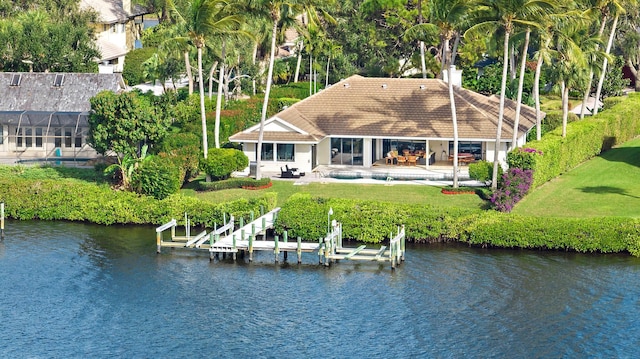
(118, 27)
(357, 121)
(44, 115)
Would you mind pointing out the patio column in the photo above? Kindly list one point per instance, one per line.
(427, 153)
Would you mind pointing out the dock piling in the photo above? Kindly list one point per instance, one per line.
(276, 249)
(299, 250)
(2, 220)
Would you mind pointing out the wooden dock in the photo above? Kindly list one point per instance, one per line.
(244, 239)
(225, 240)
(333, 251)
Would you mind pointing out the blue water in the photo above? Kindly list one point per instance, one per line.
(74, 290)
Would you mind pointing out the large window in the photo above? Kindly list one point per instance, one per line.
(38, 136)
(57, 133)
(474, 148)
(346, 151)
(286, 152)
(267, 152)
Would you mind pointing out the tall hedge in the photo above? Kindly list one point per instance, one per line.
(585, 139)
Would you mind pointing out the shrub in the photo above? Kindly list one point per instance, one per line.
(233, 183)
(222, 161)
(482, 171)
(74, 200)
(184, 150)
(609, 102)
(515, 185)
(523, 158)
(157, 176)
(133, 72)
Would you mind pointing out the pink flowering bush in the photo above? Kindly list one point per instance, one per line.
(515, 185)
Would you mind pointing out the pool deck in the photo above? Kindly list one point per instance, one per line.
(438, 174)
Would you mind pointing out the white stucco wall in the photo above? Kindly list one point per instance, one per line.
(302, 158)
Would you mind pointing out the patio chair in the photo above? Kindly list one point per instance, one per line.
(412, 160)
(401, 159)
(287, 173)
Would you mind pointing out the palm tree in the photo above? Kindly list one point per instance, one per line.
(505, 14)
(598, 9)
(446, 19)
(274, 9)
(205, 18)
(618, 8)
(574, 48)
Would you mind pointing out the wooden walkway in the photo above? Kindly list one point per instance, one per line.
(244, 239)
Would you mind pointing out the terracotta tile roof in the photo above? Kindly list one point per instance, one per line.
(387, 107)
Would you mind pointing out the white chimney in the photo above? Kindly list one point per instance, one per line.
(456, 76)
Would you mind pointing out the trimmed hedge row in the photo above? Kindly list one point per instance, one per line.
(585, 139)
(368, 221)
(373, 222)
(239, 182)
(81, 201)
(606, 234)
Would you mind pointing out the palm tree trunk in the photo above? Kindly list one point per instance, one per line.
(523, 63)
(203, 115)
(187, 66)
(536, 96)
(565, 107)
(503, 88)
(454, 120)
(298, 63)
(216, 129)
(423, 62)
(604, 65)
(310, 74)
(326, 80)
(263, 117)
(587, 91)
(211, 72)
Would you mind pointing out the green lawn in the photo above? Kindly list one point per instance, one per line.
(412, 194)
(608, 185)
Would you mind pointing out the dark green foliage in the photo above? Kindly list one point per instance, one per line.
(81, 201)
(234, 183)
(222, 161)
(184, 151)
(157, 176)
(133, 72)
(121, 122)
(482, 171)
(53, 37)
(614, 83)
(606, 235)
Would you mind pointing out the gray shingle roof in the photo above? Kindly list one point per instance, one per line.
(387, 107)
(37, 93)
